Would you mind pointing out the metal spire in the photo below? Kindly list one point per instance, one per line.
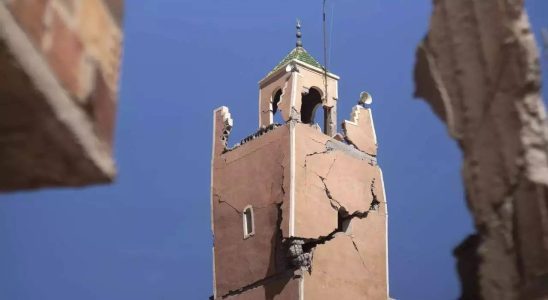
(299, 34)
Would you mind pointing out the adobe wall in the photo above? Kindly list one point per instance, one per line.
(478, 68)
(59, 63)
(285, 288)
(255, 173)
(319, 209)
(336, 182)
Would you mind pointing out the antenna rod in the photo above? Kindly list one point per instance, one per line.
(324, 38)
(327, 116)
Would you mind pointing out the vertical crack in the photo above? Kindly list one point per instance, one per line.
(334, 203)
(374, 202)
(357, 250)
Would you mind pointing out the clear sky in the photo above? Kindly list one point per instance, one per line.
(147, 236)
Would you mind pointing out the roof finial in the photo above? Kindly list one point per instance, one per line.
(299, 35)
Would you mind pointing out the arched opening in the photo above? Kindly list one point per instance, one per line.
(276, 117)
(319, 116)
(248, 222)
(311, 108)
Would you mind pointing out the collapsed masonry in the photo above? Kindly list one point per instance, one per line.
(478, 68)
(298, 213)
(59, 68)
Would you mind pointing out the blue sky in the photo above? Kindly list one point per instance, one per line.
(147, 236)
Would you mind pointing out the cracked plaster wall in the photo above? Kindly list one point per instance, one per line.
(334, 182)
(255, 173)
(359, 130)
(285, 288)
(478, 68)
(328, 180)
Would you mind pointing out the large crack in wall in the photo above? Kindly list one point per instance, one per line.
(478, 68)
(301, 249)
(322, 160)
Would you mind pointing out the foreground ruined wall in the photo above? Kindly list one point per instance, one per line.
(59, 66)
(478, 68)
(319, 206)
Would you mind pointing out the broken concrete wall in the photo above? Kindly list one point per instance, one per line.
(340, 205)
(59, 63)
(279, 81)
(478, 68)
(352, 265)
(330, 177)
(359, 130)
(257, 174)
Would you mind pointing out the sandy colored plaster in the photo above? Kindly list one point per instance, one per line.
(369, 238)
(284, 288)
(313, 79)
(254, 173)
(235, 255)
(102, 37)
(321, 216)
(284, 82)
(295, 81)
(351, 190)
(478, 68)
(330, 180)
(337, 264)
(360, 131)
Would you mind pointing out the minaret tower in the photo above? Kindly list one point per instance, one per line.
(298, 211)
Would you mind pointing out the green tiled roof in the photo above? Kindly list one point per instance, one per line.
(299, 54)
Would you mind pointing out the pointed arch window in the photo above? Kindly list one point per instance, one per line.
(312, 110)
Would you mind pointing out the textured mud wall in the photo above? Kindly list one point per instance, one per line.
(319, 213)
(255, 173)
(59, 68)
(284, 288)
(340, 206)
(478, 68)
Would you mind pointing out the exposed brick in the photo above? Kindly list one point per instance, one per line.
(49, 67)
(30, 16)
(65, 55)
(103, 110)
(37, 149)
(101, 38)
